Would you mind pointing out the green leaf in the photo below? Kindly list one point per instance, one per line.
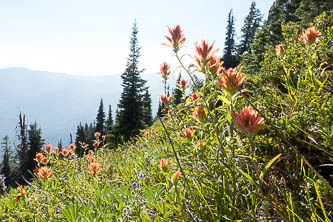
(269, 164)
(224, 99)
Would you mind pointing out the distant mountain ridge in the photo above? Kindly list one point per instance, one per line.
(58, 102)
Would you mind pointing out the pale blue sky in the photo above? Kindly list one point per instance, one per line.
(92, 36)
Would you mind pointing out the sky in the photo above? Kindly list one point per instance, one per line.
(91, 37)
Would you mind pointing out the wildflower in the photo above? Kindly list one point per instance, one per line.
(200, 144)
(310, 35)
(164, 70)
(165, 99)
(45, 160)
(133, 183)
(48, 148)
(39, 157)
(204, 52)
(44, 173)
(72, 146)
(103, 137)
(195, 96)
(146, 133)
(248, 121)
(164, 163)
(70, 152)
(91, 159)
(142, 130)
(2, 181)
(214, 64)
(97, 134)
(96, 143)
(230, 81)
(187, 133)
(176, 39)
(142, 175)
(279, 49)
(21, 193)
(94, 168)
(182, 84)
(65, 152)
(56, 150)
(90, 152)
(199, 114)
(152, 130)
(175, 177)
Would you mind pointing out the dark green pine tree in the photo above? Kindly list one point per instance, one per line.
(22, 147)
(100, 119)
(6, 159)
(229, 57)
(35, 144)
(131, 110)
(159, 110)
(81, 137)
(148, 117)
(109, 121)
(249, 29)
(60, 146)
(177, 93)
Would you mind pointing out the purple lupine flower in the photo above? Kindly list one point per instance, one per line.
(2, 181)
(142, 175)
(133, 183)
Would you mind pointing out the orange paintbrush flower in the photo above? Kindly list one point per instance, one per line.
(90, 152)
(182, 84)
(94, 168)
(21, 193)
(230, 80)
(65, 152)
(176, 39)
(56, 150)
(248, 121)
(44, 173)
(164, 163)
(91, 159)
(96, 143)
(97, 134)
(187, 133)
(195, 96)
(279, 49)
(39, 157)
(205, 53)
(310, 35)
(165, 99)
(164, 70)
(175, 177)
(48, 148)
(72, 146)
(199, 114)
(45, 160)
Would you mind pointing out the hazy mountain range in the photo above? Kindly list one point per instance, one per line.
(58, 102)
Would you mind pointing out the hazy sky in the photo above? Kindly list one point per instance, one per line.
(92, 36)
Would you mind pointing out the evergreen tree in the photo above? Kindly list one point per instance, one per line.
(100, 119)
(249, 29)
(159, 110)
(109, 121)
(147, 118)
(177, 93)
(60, 146)
(131, 110)
(6, 159)
(81, 137)
(22, 148)
(35, 144)
(230, 58)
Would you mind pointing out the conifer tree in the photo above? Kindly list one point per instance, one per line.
(6, 159)
(60, 146)
(81, 137)
(148, 117)
(22, 148)
(131, 110)
(109, 121)
(100, 119)
(35, 144)
(229, 57)
(249, 29)
(177, 92)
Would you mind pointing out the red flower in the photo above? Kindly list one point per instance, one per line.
(97, 134)
(164, 70)
(44, 173)
(90, 152)
(65, 152)
(96, 143)
(21, 193)
(45, 160)
(91, 159)
(279, 49)
(48, 148)
(195, 96)
(39, 157)
(56, 149)
(175, 177)
(248, 121)
(187, 133)
(72, 147)
(204, 52)
(164, 163)
(310, 35)
(165, 99)
(199, 114)
(176, 39)
(94, 168)
(182, 83)
(228, 86)
(214, 64)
